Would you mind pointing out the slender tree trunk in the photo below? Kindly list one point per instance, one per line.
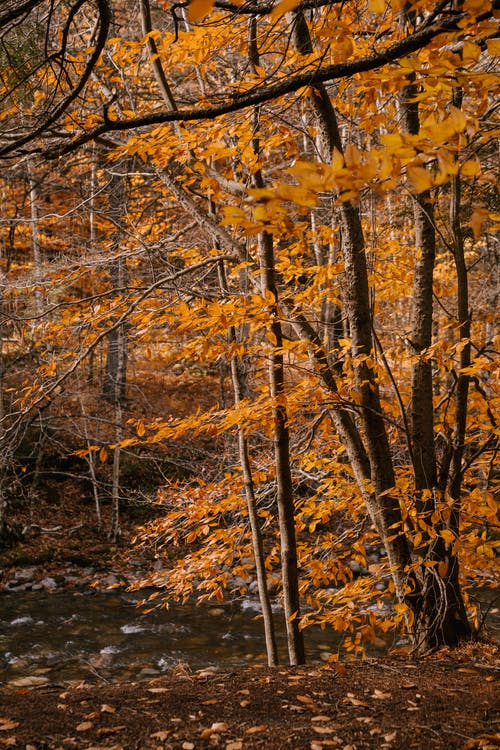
(281, 438)
(115, 377)
(239, 388)
(253, 517)
(115, 528)
(37, 253)
(284, 484)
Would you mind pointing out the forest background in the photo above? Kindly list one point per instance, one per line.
(249, 284)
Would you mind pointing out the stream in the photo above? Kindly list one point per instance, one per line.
(67, 636)
(84, 635)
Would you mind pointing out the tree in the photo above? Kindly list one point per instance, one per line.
(351, 211)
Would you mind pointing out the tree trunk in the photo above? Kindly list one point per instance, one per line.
(115, 377)
(253, 517)
(284, 485)
(281, 438)
(438, 611)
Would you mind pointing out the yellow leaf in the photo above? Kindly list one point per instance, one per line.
(457, 119)
(141, 429)
(471, 52)
(285, 6)
(447, 535)
(337, 160)
(470, 168)
(376, 6)
(198, 9)
(479, 217)
(103, 455)
(421, 178)
(493, 46)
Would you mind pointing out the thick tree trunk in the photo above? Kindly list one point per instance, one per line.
(438, 611)
(374, 457)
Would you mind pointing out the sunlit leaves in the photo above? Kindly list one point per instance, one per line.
(198, 9)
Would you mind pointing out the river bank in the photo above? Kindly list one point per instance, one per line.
(447, 702)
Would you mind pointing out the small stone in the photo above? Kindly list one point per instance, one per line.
(48, 583)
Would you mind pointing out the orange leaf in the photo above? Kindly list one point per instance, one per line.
(256, 729)
(198, 9)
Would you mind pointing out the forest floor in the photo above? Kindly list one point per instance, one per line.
(446, 701)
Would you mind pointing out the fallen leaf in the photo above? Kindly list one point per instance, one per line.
(323, 730)
(321, 718)
(8, 741)
(6, 724)
(244, 703)
(210, 702)
(161, 735)
(379, 695)
(83, 726)
(356, 702)
(110, 730)
(158, 690)
(219, 726)
(206, 733)
(256, 729)
(237, 745)
(485, 742)
(390, 737)
(188, 746)
(304, 698)
(107, 709)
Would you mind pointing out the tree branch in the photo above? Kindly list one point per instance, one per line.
(259, 95)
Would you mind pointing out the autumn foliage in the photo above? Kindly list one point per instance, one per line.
(293, 206)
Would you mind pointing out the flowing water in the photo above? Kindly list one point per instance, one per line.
(103, 636)
(74, 636)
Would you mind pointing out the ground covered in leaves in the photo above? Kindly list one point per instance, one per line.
(444, 702)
